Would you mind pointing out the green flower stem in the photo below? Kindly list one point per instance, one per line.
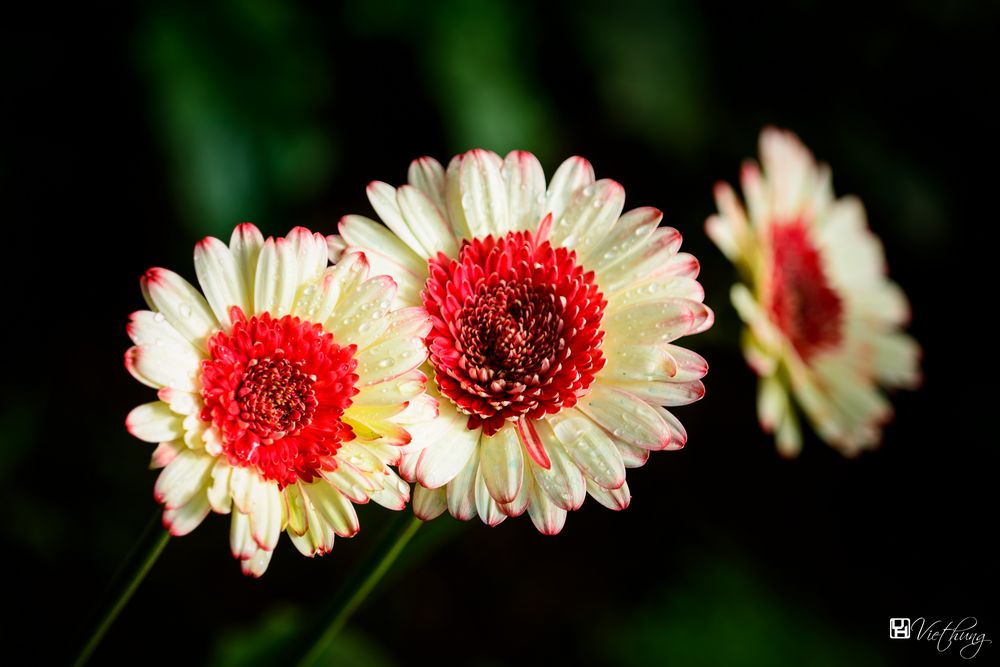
(135, 568)
(361, 583)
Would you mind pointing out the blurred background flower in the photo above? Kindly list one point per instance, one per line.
(153, 124)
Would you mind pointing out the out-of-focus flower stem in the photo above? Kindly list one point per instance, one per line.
(135, 568)
(361, 583)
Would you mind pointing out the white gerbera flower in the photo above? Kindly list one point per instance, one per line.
(283, 391)
(823, 320)
(554, 322)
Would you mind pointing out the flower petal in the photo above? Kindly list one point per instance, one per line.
(183, 306)
(487, 508)
(154, 422)
(548, 518)
(453, 446)
(375, 239)
(483, 194)
(185, 476)
(626, 417)
(427, 175)
(614, 499)
(390, 359)
(563, 482)
(525, 182)
(429, 504)
(572, 175)
(245, 246)
(591, 448)
(501, 464)
(221, 279)
(276, 281)
(265, 513)
(426, 223)
(182, 520)
(383, 198)
(461, 491)
(588, 218)
(332, 507)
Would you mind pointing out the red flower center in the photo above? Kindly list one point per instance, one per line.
(276, 390)
(803, 304)
(516, 328)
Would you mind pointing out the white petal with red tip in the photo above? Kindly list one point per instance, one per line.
(365, 233)
(427, 175)
(426, 222)
(383, 198)
(389, 359)
(221, 278)
(638, 363)
(525, 182)
(183, 477)
(629, 235)
(309, 253)
(563, 482)
(519, 505)
(164, 453)
(154, 422)
(397, 391)
(671, 393)
(241, 541)
(452, 445)
(572, 175)
(657, 289)
(183, 306)
(265, 513)
(275, 283)
(614, 499)
(461, 491)
(588, 218)
(658, 321)
(487, 508)
(245, 245)
(501, 464)
(626, 417)
(394, 494)
(361, 317)
(632, 457)
(428, 504)
(353, 483)
(219, 492)
(332, 507)
(182, 520)
(653, 258)
(548, 518)
(483, 194)
(257, 564)
(591, 448)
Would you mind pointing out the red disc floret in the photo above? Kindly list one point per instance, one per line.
(517, 328)
(276, 389)
(802, 302)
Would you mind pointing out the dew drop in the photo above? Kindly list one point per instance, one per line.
(185, 310)
(158, 317)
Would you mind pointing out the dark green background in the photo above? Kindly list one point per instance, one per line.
(129, 132)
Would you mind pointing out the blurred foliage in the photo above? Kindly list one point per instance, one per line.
(476, 61)
(650, 69)
(266, 644)
(719, 612)
(237, 88)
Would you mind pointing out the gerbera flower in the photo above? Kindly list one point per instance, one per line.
(554, 323)
(823, 320)
(284, 390)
